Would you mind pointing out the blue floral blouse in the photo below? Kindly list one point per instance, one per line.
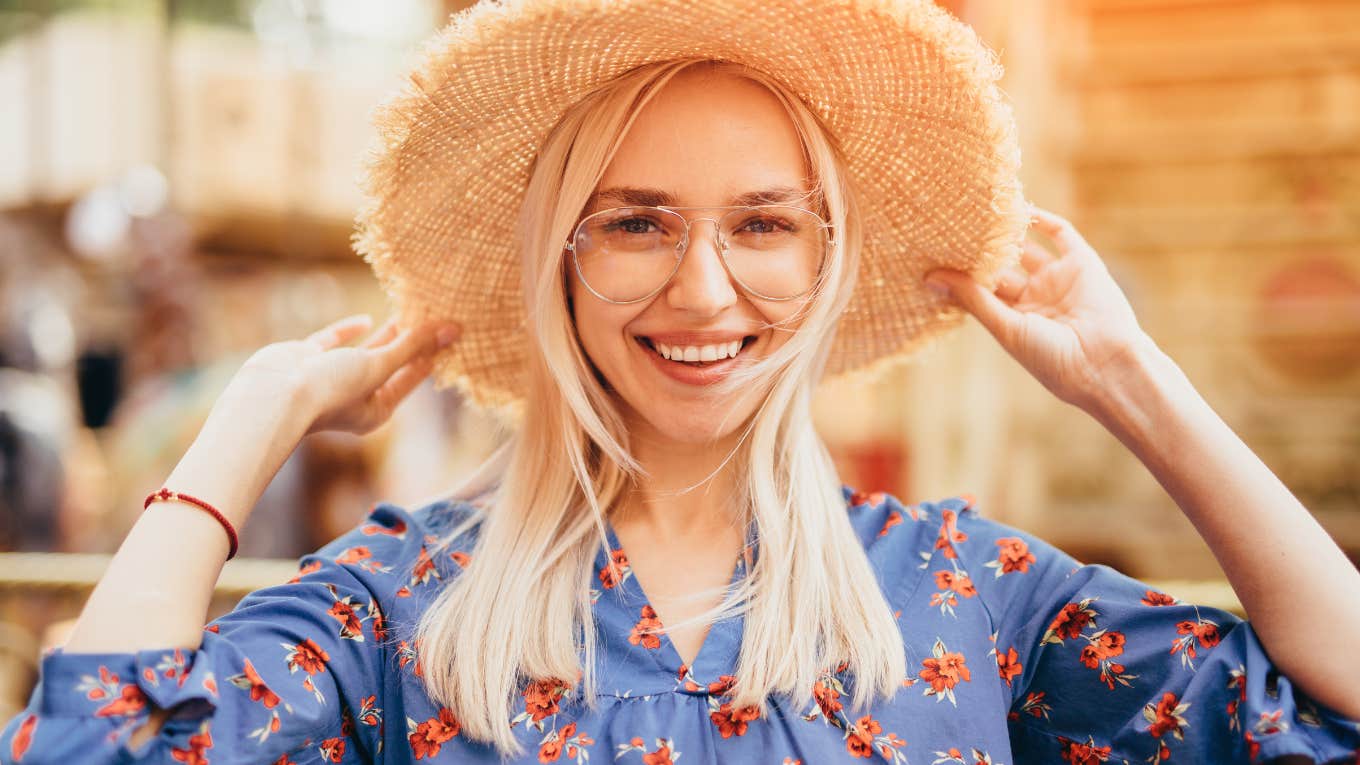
(1016, 654)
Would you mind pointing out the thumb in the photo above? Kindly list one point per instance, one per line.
(976, 299)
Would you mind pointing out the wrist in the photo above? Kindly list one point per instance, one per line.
(1137, 391)
(246, 438)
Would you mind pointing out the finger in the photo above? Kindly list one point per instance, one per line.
(1011, 284)
(1059, 229)
(976, 299)
(341, 332)
(1034, 257)
(408, 344)
(403, 382)
(382, 334)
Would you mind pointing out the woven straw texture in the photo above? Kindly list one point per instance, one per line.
(909, 91)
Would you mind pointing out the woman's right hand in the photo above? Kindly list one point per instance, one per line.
(343, 387)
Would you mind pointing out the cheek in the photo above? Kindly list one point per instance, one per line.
(600, 328)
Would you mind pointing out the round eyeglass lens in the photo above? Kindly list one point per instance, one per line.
(627, 253)
(773, 250)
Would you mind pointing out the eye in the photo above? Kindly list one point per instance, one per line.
(634, 225)
(765, 224)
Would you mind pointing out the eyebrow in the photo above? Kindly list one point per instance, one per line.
(630, 196)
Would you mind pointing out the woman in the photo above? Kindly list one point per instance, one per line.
(690, 238)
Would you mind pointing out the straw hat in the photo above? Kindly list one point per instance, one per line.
(909, 91)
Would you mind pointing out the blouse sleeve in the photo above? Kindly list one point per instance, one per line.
(1102, 667)
(290, 674)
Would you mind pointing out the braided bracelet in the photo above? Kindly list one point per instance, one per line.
(166, 494)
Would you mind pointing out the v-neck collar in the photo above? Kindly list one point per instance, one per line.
(621, 608)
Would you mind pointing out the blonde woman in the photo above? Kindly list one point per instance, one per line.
(662, 562)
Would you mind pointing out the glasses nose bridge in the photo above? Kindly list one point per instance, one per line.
(717, 232)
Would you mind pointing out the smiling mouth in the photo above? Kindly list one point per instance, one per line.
(697, 355)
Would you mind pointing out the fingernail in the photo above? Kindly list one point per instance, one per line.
(447, 334)
(937, 286)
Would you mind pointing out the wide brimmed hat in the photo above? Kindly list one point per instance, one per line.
(909, 92)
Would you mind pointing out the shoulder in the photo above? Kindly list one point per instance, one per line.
(396, 550)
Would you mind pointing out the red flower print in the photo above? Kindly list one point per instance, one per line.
(333, 749)
(827, 698)
(1253, 746)
(1013, 557)
(551, 749)
(1108, 644)
(1008, 665)
(461, 558)
(23, 738)
(369, 713)
(379, 622)
(874, 498)
(958, 582)
(1101, 647)
(611, 576)
(723, 685)
(731, 721)
(350, 626)
(310, 567)
(251, 680)
(196, 754)
(1165, 716)
(283, 760)
(406, 654)
(1033, 706)
(943, 671)
(354, 555)
(894, 519)
(130, 701)
(398, 529)
(644, 631)
(1077, 753)
(949, 534)
(1203, 631)
(541, 697)
(662, 756)
(1154, 598)
(860, 741)
(423, 570)
(307, 656)
(1070, 621)
(430, 735)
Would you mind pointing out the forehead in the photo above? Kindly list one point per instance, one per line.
(710, 138)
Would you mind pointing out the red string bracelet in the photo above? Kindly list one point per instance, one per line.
(166, 494)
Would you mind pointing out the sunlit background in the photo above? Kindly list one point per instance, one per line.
(177, 186)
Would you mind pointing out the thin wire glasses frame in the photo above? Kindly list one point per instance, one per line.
(682, 246)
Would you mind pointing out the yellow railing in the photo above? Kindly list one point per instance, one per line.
(75, 573)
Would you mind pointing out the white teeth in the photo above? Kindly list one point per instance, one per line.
(698, 352)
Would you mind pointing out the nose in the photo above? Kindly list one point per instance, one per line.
(702, 285)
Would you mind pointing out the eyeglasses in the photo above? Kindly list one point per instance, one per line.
(628, 254)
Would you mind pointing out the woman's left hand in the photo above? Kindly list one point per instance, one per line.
(1063, 318)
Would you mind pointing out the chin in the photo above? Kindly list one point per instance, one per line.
(690, 423)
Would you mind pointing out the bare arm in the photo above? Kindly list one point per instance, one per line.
(156, 591)
(1065, 320)
(1287, 571)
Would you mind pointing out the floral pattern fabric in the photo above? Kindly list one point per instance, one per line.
(1016, 654)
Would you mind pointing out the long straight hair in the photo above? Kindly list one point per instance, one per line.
(811, 600)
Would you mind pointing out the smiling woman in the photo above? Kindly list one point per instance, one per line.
(662, 561)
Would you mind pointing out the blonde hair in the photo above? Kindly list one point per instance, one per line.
(521, 609)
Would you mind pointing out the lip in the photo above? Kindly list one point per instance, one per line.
(691, 375)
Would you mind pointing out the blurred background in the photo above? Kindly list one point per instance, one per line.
(177, 189)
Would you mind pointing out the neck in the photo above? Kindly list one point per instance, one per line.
(687, 490)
